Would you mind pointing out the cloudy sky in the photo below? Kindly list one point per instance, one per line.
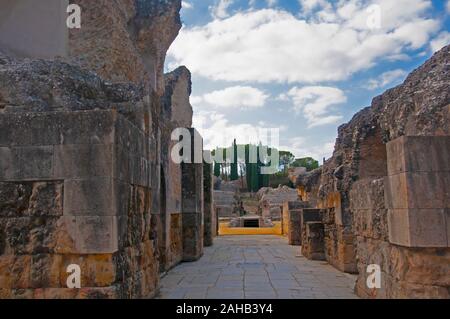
(303, 66)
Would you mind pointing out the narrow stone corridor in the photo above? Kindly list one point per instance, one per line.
(255, 267)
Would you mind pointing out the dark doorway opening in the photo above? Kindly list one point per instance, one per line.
(251, 223)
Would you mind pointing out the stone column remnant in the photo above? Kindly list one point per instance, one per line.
(192, 202)
(209, 213)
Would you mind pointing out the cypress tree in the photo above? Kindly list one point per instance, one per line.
(234, 175)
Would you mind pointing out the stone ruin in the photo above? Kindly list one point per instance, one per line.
(85, 175)
(85, 170)
(271, 201)
(383, 197)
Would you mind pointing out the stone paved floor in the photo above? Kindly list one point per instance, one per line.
(255, 267)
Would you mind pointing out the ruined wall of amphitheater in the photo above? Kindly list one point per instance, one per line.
(385, 191)
(85, 175)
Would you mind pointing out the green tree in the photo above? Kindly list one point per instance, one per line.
(234, 175)
(308, 162)
(216, 169)
(286, 159)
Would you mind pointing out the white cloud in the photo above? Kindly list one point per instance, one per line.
(276, 46)
(217, 131)
(233, 97)
(448, 6)
(440, 41)
(220, 10)
(196, 100)
(316, 102)
(386, 79)
(300, 148)
(272, 3)
(186, 5)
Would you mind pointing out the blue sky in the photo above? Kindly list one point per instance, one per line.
(303, 66)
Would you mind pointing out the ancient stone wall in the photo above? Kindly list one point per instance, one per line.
(192, 208)
(291, 221)
(271, 200)
(176, 113)
(126, 40)
(85, 170)
(209, 214)
(355, 236)
(406, 272)
(225, 204)
(75, 190)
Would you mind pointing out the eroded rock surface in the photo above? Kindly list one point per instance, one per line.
(418, 107)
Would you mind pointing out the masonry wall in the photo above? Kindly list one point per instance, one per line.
(176, 112)
(406, 272)
(75, 190)
(384, 192)
(86, 175)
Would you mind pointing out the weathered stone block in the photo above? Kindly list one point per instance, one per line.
(28, 199)
(313, 246)
(367, 204)
(175, 254)
(292, 221)
(311, 215)
(192, 201)
(418, 227)
(28, 235)
(208, 210)
(46, 271)
(192, 187)
(88, 235)
(26, 163)
(367, 194)
(15, 271)
(418, 154)
(192, 236)
(54, 128)
(82, 161)
(418, 190)
(89, 197)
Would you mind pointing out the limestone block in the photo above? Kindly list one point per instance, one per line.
(175, 254)
(367, 194)
(97, 270)
(83, 161)
(26, 163)
(31, 199)
(418, 154)
(28, 235)
(89, 234)
(46, 271)
(311, 215)
(295, 228)
(418, 190)
(192, 236)
(15, 271)
(208, 210)
(313, 241)
(418, 227)
(292, 221)
(53, 128)
(192, 188)
(89, 197)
